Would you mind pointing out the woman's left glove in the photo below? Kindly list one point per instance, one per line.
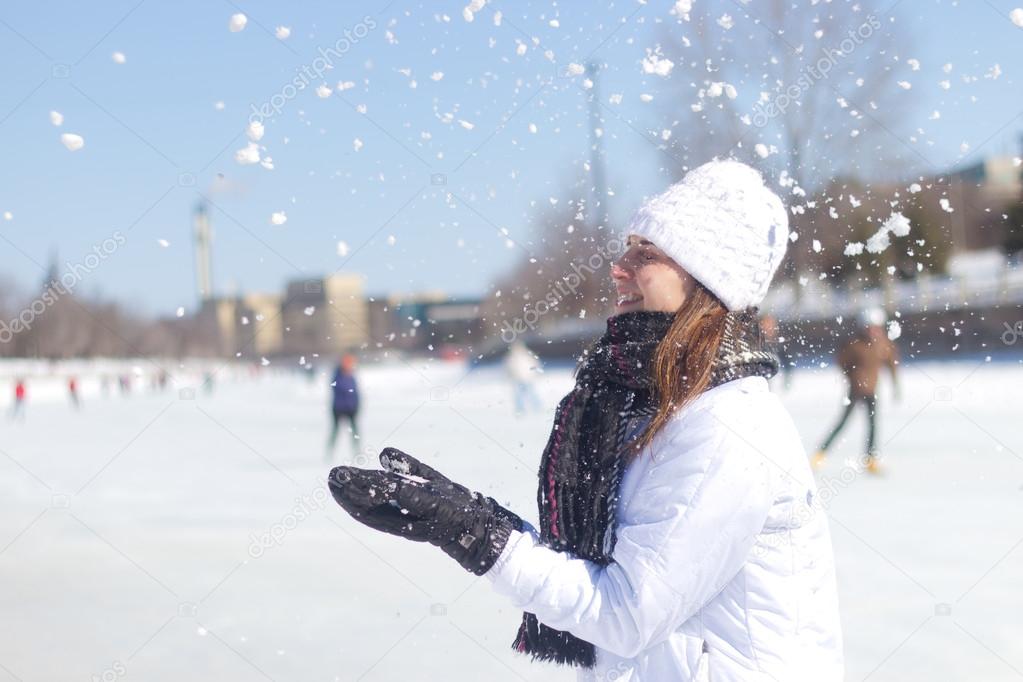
(414, 501)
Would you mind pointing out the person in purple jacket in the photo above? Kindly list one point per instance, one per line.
(344, 403)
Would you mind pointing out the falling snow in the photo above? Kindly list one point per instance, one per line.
(682, 8)
(72, 142)
(237, 22)
(248, 155)
(656, 63)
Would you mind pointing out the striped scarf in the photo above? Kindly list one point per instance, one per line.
(584, 460)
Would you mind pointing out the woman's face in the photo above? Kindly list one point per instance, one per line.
(646, 278)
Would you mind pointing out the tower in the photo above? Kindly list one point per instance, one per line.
(202, 240)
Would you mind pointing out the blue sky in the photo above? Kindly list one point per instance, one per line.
(154, 139)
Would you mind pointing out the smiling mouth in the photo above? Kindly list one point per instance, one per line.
(628, 299)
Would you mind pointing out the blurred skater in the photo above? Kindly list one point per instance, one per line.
(344, 403)
(18, 407)
(208, 378)
(72, 390)
(861, 360)
(521, 365)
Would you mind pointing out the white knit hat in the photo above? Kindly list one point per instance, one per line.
(723, 226)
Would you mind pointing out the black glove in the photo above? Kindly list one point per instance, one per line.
(414, 501)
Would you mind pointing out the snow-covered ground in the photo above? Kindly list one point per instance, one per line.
(181, 536)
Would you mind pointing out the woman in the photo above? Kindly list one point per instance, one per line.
(680, 536)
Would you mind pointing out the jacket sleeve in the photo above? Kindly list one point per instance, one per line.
(686, 532)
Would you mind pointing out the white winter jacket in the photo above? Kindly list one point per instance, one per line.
(723, 568)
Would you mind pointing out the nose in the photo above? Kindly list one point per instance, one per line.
(619, 271)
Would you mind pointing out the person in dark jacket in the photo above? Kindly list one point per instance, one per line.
(861, 360)
(344, 403)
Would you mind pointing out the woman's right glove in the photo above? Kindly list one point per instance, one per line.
(415, 501)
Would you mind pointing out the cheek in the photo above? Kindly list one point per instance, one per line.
(659, 282)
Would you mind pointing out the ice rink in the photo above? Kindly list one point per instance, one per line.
(189, 536)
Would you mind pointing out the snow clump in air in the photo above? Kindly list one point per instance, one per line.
(237, 22)
(682, 8)
(470, 10)
(248, 155)
(255, 131)
(656, 63)
(72, 142)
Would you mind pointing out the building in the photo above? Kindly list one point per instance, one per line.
(982, 192)
(998, 176)
(428, 321)
(260, 328)
(325, 316)
(248, 326)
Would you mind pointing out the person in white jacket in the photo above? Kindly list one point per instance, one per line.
(521, 365)
(680, 535)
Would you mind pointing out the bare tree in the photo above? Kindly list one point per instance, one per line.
(818, 81)
(567, 279)
(809, 91)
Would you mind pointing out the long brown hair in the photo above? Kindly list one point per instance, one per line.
(684, 359)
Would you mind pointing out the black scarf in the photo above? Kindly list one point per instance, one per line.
(584, 459)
